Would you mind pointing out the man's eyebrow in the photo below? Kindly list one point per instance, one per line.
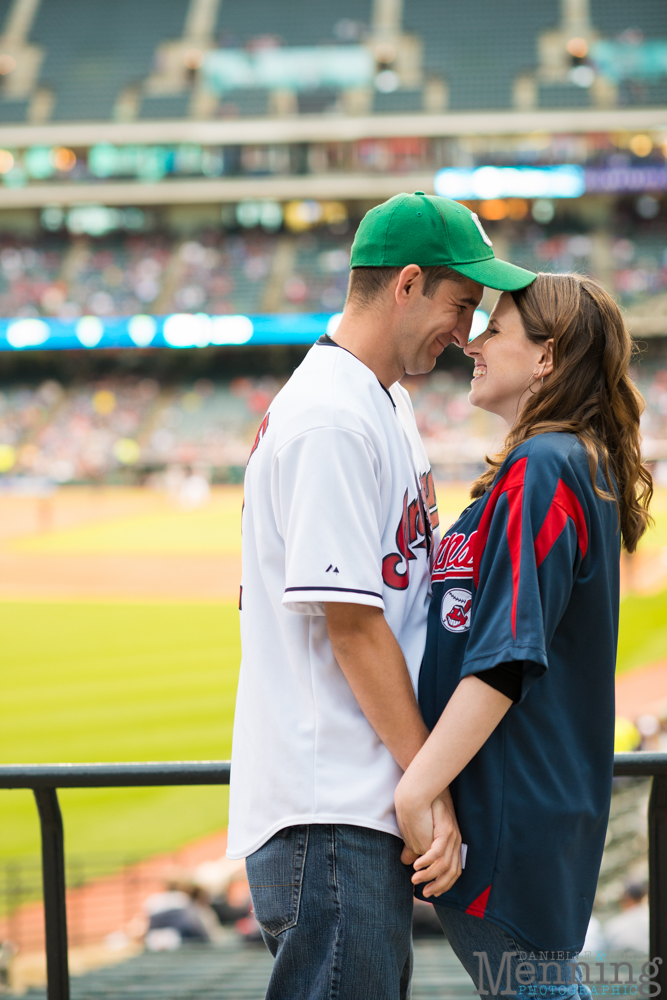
(469, 301)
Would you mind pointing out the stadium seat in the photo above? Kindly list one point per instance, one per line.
(93, 49)
(563, 95)
(13, 110)
(298, 22)
(613, 17)
(501, 42)
(645, 93)
(165, 106)
(245, 101)
(398, 102)
(315, 102)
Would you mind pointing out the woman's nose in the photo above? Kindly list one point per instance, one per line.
(474, 347)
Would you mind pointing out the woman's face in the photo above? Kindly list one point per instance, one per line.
(508, 366)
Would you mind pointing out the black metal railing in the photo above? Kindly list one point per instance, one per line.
(45, 779)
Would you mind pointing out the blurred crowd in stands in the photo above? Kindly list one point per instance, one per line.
(181, 437)
(215, 273)
(255, 271)
(198, 906)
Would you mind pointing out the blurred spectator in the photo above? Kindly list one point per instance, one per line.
(629, 931)
(185, 912)
(195, 491)
(649, 730)
(7, 951)
(595, 939)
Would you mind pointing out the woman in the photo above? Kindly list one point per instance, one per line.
(517, 682)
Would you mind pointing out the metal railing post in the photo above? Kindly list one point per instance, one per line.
(657, 875)
(53, 878)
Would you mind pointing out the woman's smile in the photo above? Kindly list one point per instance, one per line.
(517, 363)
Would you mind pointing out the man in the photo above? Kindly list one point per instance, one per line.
(338, 529)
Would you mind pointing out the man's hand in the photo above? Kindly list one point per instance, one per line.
(440, 866)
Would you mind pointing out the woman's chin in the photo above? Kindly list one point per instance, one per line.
(476, 395)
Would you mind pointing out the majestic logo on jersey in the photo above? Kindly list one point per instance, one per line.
(454, 557)
(260, 434)
(455, 610)
(414, 532)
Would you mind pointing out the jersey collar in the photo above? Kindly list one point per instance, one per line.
(326, 341)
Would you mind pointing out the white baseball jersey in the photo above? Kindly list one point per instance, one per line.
(339, 506)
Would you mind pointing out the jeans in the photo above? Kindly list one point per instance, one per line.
(485, 951)
(335, 907)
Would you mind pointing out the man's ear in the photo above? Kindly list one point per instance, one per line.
(547, 359)
(407, 281)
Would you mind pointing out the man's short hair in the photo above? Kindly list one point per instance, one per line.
(367, 283)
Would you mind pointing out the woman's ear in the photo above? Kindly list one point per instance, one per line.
(547, 359)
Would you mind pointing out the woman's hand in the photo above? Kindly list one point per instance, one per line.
(440, 866)
(435, 826)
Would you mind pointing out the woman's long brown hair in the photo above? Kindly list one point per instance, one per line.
(589, 393)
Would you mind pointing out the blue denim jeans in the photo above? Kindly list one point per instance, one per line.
(499, 965)
(335, 907)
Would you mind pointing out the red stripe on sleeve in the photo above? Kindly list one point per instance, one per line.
(564, 504)
(512, 484)
(550, 532)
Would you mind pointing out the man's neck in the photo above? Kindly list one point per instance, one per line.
(365, 335)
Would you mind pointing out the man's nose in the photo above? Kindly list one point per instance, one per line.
(460, 336)
(472, 348)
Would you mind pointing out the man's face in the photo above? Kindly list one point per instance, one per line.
(428, 325)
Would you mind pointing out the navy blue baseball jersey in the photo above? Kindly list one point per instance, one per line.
(528, 575)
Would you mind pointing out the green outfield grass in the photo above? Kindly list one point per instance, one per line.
(642, 635)
(106, 682)
(211, 530)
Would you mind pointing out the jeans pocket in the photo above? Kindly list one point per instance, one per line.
(275, 875)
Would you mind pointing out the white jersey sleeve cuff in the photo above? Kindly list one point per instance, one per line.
(311, 600)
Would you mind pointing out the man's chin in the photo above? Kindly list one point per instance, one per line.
(421, 367)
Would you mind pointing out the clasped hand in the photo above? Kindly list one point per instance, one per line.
(432, 840)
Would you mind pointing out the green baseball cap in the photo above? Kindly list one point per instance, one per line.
(428, 230)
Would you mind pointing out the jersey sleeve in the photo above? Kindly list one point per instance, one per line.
(327, 501)
(530, 541)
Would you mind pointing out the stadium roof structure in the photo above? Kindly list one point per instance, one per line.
(321, 185)
(336, 128)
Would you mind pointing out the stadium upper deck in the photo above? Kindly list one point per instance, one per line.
(88, 60)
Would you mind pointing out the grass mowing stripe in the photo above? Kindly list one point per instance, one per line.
(105, 682)
(642, 632)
